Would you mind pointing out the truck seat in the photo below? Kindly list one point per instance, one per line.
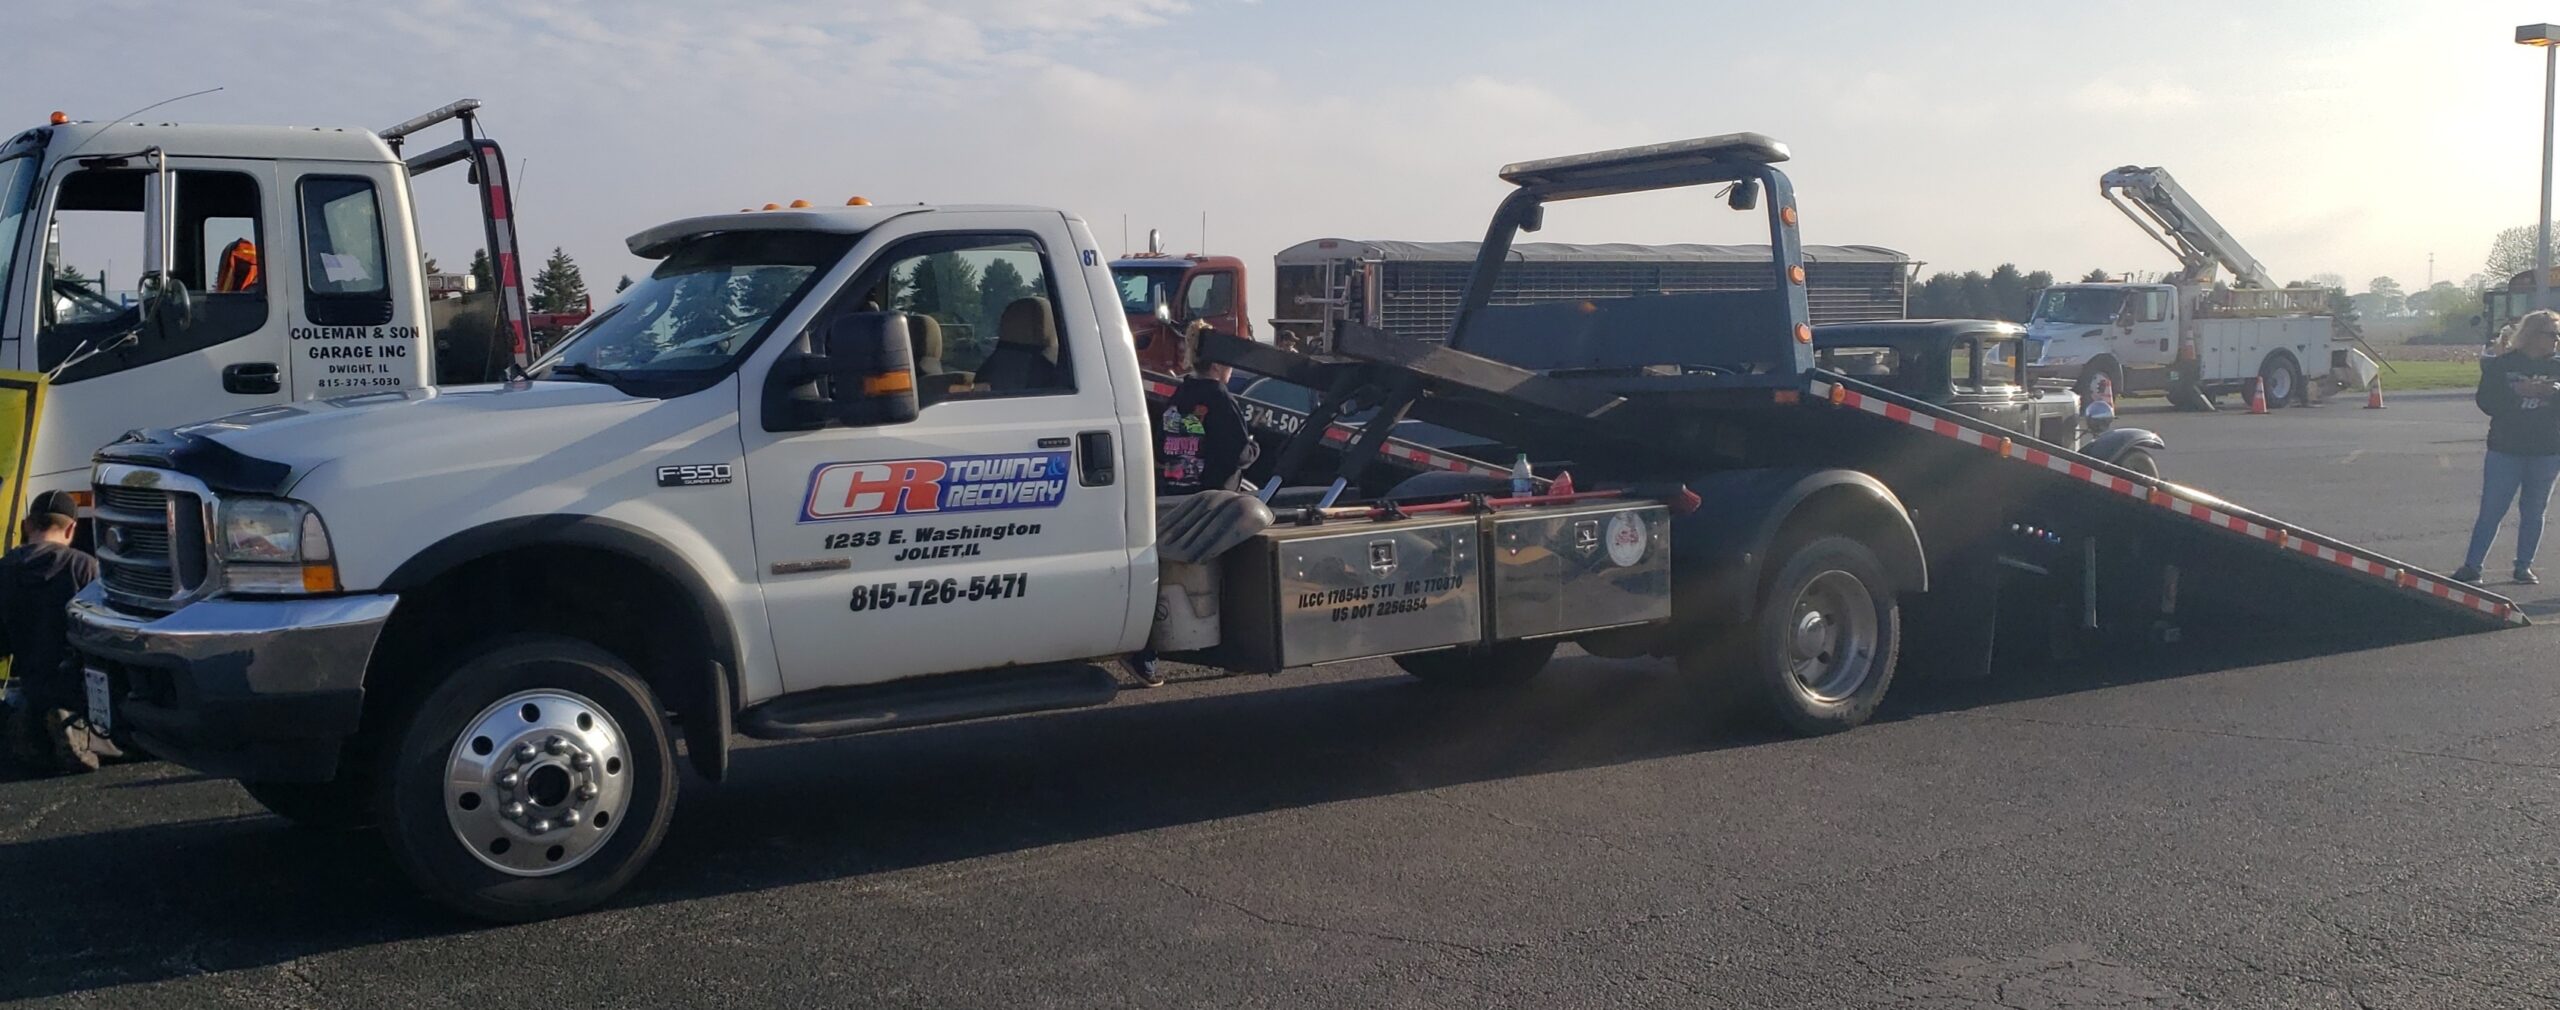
(924, 336)
(1026, 352)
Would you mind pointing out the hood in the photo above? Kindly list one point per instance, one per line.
(470, 427)
(2046, 329)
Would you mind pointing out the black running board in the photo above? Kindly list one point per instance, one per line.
(925, 701)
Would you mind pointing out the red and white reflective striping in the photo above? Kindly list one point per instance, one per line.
(2404, 578)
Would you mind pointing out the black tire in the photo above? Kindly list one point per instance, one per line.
(344, 804)
(2087, 385)
(2280, 372)
(1757, 662)
(414, 789)
(1504, 664)
(2139, 461)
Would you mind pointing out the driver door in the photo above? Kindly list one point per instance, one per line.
(993, 529)
(1211, 293)
(110, 373)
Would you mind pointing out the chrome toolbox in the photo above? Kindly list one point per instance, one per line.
(1303, 595)
(1575, 568)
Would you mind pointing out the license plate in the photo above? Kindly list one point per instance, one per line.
(102, 707)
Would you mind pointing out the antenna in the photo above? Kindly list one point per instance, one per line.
(1124, 234)
(119, 120)
(1204, 233)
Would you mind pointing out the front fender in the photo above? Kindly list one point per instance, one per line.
(1720, 551)
(2110, 445)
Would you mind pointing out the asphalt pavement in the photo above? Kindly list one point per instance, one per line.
(2342, 830)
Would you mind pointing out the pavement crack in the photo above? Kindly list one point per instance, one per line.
(1257, 915)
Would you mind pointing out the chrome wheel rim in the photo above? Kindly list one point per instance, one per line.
(537, 782)
(2280, 385)
(1831, 638)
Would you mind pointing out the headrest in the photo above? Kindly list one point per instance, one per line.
(1027, 324)
(924, 335)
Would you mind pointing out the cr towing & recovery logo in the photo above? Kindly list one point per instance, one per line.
(935, 486)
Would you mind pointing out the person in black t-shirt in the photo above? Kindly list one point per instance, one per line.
(37, 579)
(1200, 445)
(2520, 391)
(1200, 438)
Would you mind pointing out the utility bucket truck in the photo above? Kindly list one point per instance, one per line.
(777, 520)
(275, 264)
(2187, 335)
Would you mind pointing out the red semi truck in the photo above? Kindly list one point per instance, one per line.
(1193, 286)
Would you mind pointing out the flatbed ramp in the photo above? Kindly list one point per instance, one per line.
(2123, 553)
(2235, 544)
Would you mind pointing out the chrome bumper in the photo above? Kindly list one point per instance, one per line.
(258, 689)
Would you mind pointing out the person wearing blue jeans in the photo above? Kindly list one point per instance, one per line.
(2520, 391)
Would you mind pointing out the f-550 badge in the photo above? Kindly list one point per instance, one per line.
(693, 474)
(939, 486)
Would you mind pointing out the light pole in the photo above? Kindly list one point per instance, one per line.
(2545, 36)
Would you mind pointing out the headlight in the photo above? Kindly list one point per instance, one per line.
(271, 545)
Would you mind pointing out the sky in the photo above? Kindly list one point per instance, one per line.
(2345, 137)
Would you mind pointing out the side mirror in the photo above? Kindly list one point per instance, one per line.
(1164, 314)
(2098, 416)
(858, 372)
(166, 306)
(868, 369)
(1744, 194)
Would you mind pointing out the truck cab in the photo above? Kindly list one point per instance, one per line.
(2121, 332)
(155, 274)
(1209, 288)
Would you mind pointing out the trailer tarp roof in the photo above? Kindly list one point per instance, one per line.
(1328, 249)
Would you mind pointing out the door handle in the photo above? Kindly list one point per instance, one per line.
(253, 377)
(1096, 464)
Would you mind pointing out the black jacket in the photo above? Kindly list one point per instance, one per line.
(2519, 426)
(1200, 439)
(36, 583)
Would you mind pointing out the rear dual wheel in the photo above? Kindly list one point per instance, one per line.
(1818, 653)
(2281, 379)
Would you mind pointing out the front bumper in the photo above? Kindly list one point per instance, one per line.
(267, 690)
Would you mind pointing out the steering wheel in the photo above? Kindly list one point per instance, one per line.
(96, 306)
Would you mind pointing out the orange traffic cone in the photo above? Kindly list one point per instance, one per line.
(2257, 395)
(2373, 395)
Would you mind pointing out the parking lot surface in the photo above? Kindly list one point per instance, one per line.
(2366, 828)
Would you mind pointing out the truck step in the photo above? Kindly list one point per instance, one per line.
(870, 708)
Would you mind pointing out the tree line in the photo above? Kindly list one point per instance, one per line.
(2005, 293)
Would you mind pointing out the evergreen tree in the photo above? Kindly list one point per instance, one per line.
(622, 285)
(1973, 293)
(484, 275)
(559, 287)
(999, 286)
(2097, 276)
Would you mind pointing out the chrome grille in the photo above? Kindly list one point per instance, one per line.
(140, 558)
(144, 500)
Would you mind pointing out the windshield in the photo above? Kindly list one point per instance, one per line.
(2080, 305)
(17, 180)
(1142, 287)
(703, 307)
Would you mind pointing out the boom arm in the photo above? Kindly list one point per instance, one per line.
(2175, 220)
